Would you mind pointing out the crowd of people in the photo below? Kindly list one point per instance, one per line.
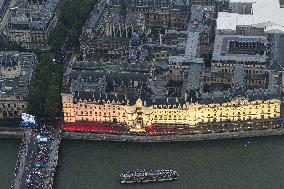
(40, 167)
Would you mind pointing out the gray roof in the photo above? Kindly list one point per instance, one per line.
(221, 49)
(9, 59)
(4, 5)
(29, 17)
(277, 61)
(200, 13)
(130, 17)
(94, 21)
(227, 96)
(156, 3)
(18, 86)
(96, 97)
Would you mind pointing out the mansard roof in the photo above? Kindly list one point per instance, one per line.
(95, 97)
(9, 59)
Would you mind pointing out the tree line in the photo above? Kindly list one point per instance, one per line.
(44, 95)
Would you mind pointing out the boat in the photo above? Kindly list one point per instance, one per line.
(158, 175)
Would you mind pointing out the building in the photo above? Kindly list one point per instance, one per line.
(175, 71)
(90, 106)
(32, 22)
(242, 56)
(203, 2)
(5, 13)
(160, 15)
(246, 48)
(114, 27)
(16, 69)
(248, 16)
(276, 63)
(203, 20)
(109, 31)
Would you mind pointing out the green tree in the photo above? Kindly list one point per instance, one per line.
(44, 94)
(70, 23)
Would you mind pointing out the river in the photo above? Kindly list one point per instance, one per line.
(256, 163)
(8, 157)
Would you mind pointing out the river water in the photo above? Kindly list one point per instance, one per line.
(8, 157)
(256, 163)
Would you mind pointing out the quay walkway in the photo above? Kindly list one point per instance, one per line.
(171, 138)
(37, 158)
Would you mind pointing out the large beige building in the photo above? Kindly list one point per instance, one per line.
(114, 108)
(15, 75)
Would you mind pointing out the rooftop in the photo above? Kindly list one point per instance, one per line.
(9, 59)
(17, 86)
(36, 17)
(155, 3)
(240, 48)
(129, 18)
(4, 5)
(94, 21)
(277, 62)
(265, 14)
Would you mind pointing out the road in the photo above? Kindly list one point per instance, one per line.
(37, 159)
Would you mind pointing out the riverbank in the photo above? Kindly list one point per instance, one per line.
(170, 138)
(18, 133)
(12, 132)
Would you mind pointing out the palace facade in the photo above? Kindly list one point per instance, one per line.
(88, 106)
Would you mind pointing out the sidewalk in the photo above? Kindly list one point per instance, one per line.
(170, 138)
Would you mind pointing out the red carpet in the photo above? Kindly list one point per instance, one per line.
(99, 127)
(109, 127)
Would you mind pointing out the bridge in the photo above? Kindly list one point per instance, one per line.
(37, 158)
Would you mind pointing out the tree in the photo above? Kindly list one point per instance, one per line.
(70, 23)
(44, 95)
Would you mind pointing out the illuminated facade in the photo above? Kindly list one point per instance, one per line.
(173, 112)
(171, 71)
